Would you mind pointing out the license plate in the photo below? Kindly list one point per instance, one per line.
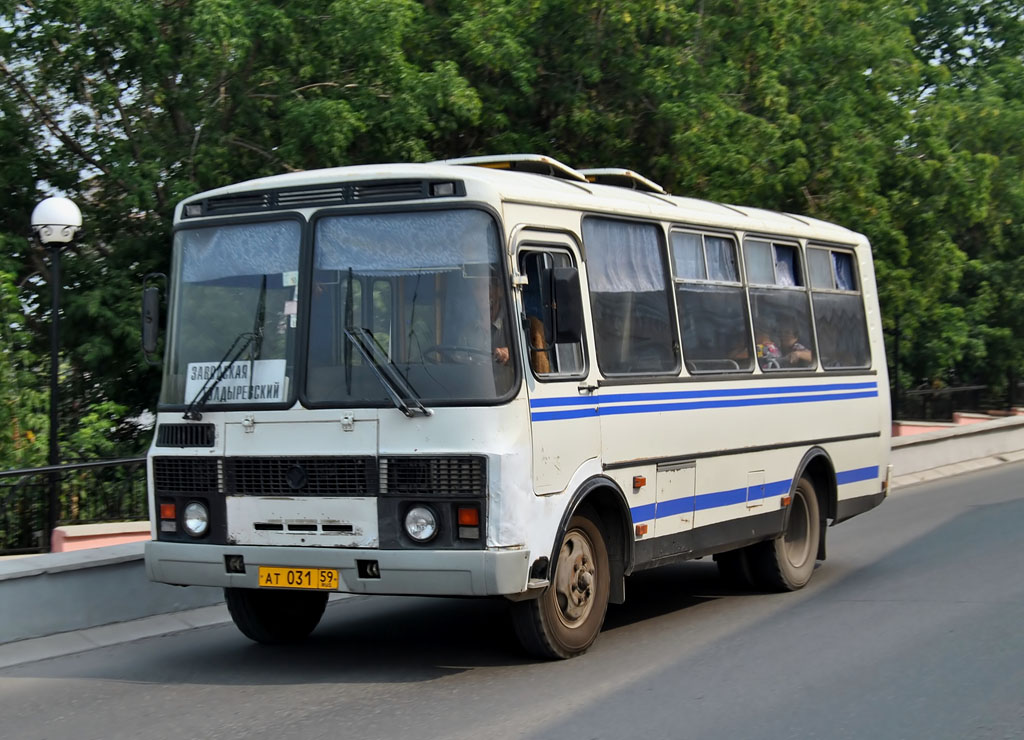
(323, 579)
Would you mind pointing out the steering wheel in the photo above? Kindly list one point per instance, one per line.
(448, 351)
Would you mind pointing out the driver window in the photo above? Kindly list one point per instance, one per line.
(545, 356)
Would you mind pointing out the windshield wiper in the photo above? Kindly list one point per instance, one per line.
(195, 407)
(397, 387)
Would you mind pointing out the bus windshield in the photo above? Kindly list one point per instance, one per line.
(236, 293)
(425, 287)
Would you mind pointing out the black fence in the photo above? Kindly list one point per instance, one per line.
(89, 492)
(939, 404)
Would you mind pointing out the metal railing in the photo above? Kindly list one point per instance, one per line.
(90, 492)
(939, 404)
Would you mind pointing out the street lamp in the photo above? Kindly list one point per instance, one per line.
(55, 221)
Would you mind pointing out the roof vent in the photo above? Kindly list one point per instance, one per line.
(623, 179)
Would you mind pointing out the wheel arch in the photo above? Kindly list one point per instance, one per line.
(605, 499)
(817, 465)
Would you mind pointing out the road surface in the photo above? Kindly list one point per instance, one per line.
(913, 628)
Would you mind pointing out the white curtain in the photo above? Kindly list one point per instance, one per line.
(623, 257)
(389, 243)
(246, 249)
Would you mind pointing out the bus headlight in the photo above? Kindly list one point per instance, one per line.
(421, 523)
(196, 519)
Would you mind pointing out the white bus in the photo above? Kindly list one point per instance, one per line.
(499, 376)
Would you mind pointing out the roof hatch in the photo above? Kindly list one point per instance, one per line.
(537, 164)
(623, 179)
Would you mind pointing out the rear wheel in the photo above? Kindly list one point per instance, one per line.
(566, 619)
(275, 617)
(787, 562)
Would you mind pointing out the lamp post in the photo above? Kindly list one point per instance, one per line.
(55, 221)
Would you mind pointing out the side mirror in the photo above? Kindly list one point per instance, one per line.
(150, 317)
(567, 304)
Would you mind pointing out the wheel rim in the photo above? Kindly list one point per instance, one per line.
(797, 538)
(575, 576)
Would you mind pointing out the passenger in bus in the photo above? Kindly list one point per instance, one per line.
(540, 358)
(794, 354)
(769, 356)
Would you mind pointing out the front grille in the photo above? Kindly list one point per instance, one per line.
(301, 476)
(237, 203)
(336, 194)
(382, 192)
(184, 435)
(445, 476)
(185, 475)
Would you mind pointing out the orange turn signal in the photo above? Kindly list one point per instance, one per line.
(786, 501)
(167, 511)
(641, 530)
(639, 481)
(469, 516)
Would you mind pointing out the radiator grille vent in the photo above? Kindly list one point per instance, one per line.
(185, 475)
(317, 197)
(184, 435)
(380, 191)
(301, 476)
(386, 191)
(444, 476)
(237, 203)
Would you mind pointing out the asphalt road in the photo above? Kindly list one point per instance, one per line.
(913, 628)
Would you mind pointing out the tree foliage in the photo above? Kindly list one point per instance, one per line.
(899, 120)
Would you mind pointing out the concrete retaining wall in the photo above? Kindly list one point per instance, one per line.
(58, 592)
(920, 452)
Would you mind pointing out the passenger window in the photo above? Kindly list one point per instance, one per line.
(838, 309)
(546, 355)
(712, 308)
(632, 309)
(779, 305)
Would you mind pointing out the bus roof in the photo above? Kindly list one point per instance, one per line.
(485, 181)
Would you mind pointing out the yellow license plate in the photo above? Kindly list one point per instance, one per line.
(324, 579)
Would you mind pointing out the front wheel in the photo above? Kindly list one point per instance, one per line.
(787, 562)
(275, 617)
(566, 619)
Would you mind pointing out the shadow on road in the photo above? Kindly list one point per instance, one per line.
(371, 640)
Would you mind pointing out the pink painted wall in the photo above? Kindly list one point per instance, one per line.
(65, 541)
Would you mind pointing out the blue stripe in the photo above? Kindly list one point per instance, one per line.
(675, 506)
(538, 403)
(643, 513)
(853, 476)
(695, 405)
(718, 499)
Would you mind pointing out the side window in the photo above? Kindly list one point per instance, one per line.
(712, 307)
(838, 309)
(546, 355)
(783, 336)
(632, 309)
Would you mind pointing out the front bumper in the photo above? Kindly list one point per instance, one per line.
(405, 572)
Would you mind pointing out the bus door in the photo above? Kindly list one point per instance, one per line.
(563, 407)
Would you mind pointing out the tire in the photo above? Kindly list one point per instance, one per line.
(566, 619)
(275, 617)
(734, 569)
(787, 562)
